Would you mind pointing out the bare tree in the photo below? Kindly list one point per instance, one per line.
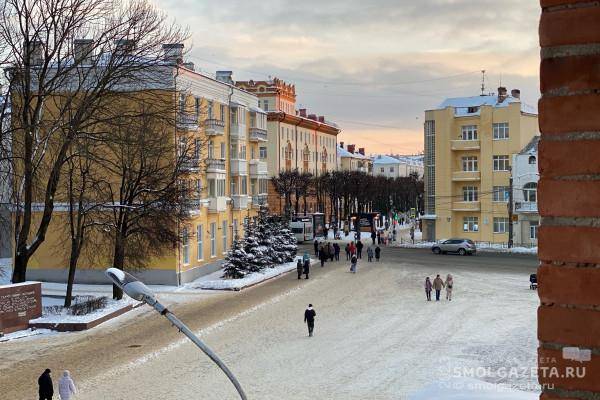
(67, 60)
(285, 185)
(302, 187)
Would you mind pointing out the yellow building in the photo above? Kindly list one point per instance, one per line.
(228, 175)
(469, 143)
(351, 159)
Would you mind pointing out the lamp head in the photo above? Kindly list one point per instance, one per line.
(131, 285)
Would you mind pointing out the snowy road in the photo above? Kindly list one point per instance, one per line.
(375, 335)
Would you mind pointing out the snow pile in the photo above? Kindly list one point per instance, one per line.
(63, 317)
(248, 280)
(26, 333)
(5, 270)
(484, 247)
(470, 389)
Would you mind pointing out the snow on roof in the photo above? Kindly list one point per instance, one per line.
(341, 152)
(465, 106)
(385, 159)
(531, 147)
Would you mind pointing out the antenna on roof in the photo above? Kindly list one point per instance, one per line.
(483, 82)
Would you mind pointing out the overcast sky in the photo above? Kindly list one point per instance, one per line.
(372, 66)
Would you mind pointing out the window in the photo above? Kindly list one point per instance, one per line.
(211, 149)
(530, 192)
(197, 106)
(185, 246)
(222, 114)
(471, 224)
(224, 228)
(470, 193)
(244, 186)
(533, 230)
(469, 132)
(391, 169)
(262, 152)
(500, 225)
(382, 169)
(252, 153)
(243, 152)
(501, 163)
(532, 160)
(213, 239)
(197, 148)
(501, 194)
(200, 236)
(181, 102)
(223, 155)
(500, 131)
(470, 164)
(235, 229)
(210, 110)
(220, 187)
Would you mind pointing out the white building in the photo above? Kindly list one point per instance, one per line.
(397, 166)
(525, 180)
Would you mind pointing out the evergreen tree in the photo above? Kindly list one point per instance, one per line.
(257, 255)
(236, 261)
(265, 234)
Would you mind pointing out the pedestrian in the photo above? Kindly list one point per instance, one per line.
(336, 250)
(394, 234)
(322, 256)
(449, 285)
(353, 264)
(66, 386)
(359, 247)
(316, 247)
(306, 268)
(347, 249)
(299, 268)
(428, 287)
(335, 231)
(438, 284)
(46, 389)
(346, 230)
(306, 257)
(379, 237)
(331, 251)
(370, 253)
(373, 236)
(377, 253)
(352, 249)
(309, 319)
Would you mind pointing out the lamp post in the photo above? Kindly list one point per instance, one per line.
(140, 292)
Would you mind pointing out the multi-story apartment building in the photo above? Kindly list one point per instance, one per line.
(397, 166)
(350, 159)
(296, 139)
(227, 173)
(525, 180)
(469, 143)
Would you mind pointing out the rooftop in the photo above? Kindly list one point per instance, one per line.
(465, 106)
(531, 147)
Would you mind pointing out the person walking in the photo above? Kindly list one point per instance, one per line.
(336, 250)
(306, 268)
(353, 264)
(299, 268)
(428, 287)
(309, 319)
(331, 251)
(379, 237)
(438, 284)
(352, 249)
(449, 285)
(377, 253)
(346, 230)
(359, 247)
(322, 255)
(66, 386)
(46, 388)
(347, 249)
(373, 236)
(370, 253)
(316, 247)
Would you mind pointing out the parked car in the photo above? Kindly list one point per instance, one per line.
(460, 246)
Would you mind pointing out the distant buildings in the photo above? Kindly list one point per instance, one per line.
(397, 166)
(525, 180)
(350, 159)
(469, 147)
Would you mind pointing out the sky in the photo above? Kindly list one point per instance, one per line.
(371, 66)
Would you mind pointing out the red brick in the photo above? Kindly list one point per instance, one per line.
(569, 198)
(568, 285)
(554, 3)
(570, 26)
(566, 114)
(546, 396)
(576, 244)
(557, 158)
(553, 359)
(569, 326)
(570, 73)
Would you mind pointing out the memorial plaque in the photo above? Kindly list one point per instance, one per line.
(18, 304)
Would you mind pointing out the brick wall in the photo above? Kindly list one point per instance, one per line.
(569, 196)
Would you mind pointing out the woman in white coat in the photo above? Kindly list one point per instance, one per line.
(449, 285)
(66, 387)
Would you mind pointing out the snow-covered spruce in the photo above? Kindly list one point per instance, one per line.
(236, 261)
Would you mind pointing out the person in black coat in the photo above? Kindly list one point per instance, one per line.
(359, 247)
(46, 390)
(377, 253)
(306, 268)
(309, 319)
(373, 236)
(316, 247)
(336, 250)
(299, 268)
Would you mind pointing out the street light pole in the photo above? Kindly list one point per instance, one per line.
(140, 292)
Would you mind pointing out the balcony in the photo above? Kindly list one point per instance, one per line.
(465, 145)
(238, 167)
(258, 135)
(214, 127)
(466, 176)
(259, 200)
(526, 207)
(217, 204)
(240, 202)
(238, 131)
(187, 121)
(215, 165)
(466, 206)
(258, 168)
(191, 164)
(192, 204)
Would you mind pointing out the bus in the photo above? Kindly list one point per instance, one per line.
(303, 230)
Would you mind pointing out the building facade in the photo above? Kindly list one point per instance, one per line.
(469, 143)
(525, 180)
(296, 140)
(349, 159)
(397, 166)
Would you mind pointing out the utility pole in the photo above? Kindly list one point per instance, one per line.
(510, 209)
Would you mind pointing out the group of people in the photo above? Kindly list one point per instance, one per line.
(438, 284)
(303, 266)
(327, 251)
(66, 386)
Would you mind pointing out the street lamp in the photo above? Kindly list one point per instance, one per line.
(140, 292)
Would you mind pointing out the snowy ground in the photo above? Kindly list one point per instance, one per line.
(376, 338)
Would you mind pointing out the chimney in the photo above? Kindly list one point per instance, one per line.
(351, 148)
(173, 53)
(225, 77)
(303, 112)
(312, 116)
(342, 145)
(321, 119)
(190, 66)
(123, 46)
(516, 93)
(502, 94)
(82, 50)
(361, 151)
(37, 52)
